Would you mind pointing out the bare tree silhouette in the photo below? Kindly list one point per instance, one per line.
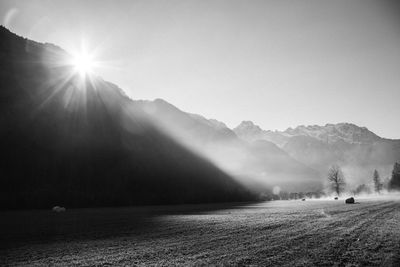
(336, 179)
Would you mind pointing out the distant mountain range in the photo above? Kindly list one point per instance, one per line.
(358, 150)
(330, 133)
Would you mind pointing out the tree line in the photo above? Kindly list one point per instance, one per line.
(337, 182)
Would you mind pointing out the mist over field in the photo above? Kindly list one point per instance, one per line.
(186, 133)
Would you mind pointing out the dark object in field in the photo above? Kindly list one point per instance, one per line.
(58, 209)
(350, 200)
(336, 198)
(303, 199)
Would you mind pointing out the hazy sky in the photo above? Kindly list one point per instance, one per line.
(277, 63)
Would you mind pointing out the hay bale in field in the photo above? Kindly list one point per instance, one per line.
(58, 209)
(336, 198)
(303, 199)
(350, 200)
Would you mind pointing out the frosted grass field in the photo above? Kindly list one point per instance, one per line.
(285, 233)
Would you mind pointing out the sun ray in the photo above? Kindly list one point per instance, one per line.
(83, 63)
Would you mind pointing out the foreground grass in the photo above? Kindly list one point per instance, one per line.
(284, 233)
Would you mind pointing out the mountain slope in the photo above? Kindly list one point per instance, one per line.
(266, 161)
(258, 167)
(76, 141)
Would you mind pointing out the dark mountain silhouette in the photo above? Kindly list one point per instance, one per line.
(74, 141)
(183, 125)
(259, 165)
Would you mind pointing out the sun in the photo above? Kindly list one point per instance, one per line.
(83, 63)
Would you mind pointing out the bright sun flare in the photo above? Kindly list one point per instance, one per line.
(83, 63)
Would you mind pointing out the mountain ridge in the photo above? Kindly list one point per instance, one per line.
(329, 132)
(78, 142)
